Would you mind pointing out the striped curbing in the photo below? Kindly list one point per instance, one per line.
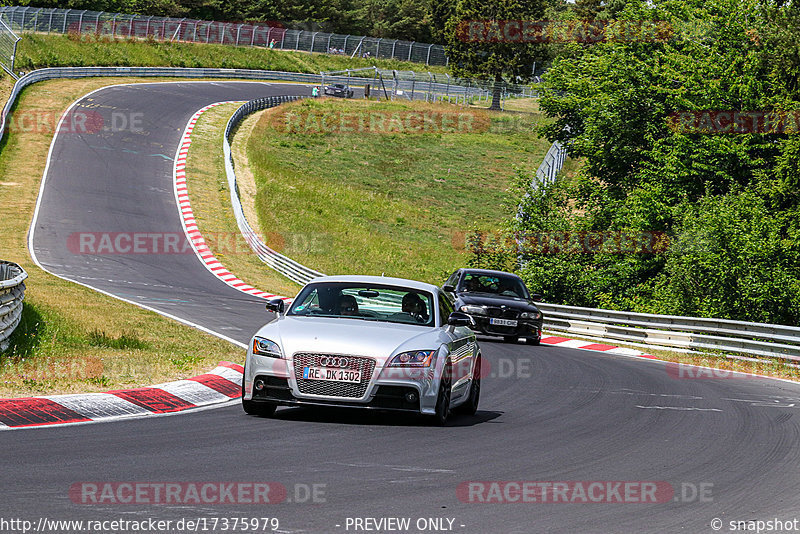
(189, 222)
(220, 385)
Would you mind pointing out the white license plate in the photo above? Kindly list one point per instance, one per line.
(333, 375)
(503, 322)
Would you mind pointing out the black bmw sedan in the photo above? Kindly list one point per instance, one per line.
(498, 302)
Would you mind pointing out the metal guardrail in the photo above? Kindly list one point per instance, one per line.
(688, 334)
(118, 25)
(54, 73)
(551, 165)
(291, 269)
(12, 292)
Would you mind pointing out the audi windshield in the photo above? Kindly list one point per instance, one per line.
(390, 304)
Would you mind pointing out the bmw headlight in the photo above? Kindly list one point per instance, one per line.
(474, 310)
(414, 358)
(530, 315)
(266, 347)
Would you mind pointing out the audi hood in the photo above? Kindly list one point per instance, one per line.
(349, 336)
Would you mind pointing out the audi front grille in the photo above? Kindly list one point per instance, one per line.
(330, 388)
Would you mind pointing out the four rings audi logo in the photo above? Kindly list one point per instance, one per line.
(333, 361)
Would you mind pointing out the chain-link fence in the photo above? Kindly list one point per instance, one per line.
(8, 48)
(428, 86)
(229, 33)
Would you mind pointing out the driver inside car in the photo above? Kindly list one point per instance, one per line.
(348, 305)
(414, 306)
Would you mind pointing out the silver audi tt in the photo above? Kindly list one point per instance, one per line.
(366, 342)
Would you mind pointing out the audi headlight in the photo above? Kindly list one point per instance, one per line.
(475, 310)
(414, 358)
(266, 347)
(530, 315)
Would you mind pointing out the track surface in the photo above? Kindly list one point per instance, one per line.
(562, 414)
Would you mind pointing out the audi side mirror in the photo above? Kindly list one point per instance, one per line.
(459, 319)
(448, 288)
(536, 297)
(276, 306)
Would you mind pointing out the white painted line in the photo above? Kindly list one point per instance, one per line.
(679, 408)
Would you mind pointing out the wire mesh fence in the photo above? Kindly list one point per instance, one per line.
(123, 26)
(428, 86)
(8, 48)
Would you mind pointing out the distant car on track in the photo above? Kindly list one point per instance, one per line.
(498, 302)
(365, 342)
(339, 90)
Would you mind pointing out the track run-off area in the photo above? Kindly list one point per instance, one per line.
(616, 444)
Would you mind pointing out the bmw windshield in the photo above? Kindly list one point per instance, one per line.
(390, 304)
(494, 285)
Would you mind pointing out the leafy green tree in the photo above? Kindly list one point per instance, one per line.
(495, 54)
(730, 203)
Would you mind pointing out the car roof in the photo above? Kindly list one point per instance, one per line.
(379, 280)
(490, 272)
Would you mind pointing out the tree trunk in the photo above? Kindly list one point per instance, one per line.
(497, 91)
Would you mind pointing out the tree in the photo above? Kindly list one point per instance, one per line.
(484, 38)
(728, 202)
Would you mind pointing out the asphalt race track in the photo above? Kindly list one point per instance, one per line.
(730, 448)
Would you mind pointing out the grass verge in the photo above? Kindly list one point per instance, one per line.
(37, 50)
(377, 192)
(73, 339)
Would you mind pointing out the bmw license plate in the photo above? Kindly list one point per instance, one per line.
(503, 322)
(334, 375)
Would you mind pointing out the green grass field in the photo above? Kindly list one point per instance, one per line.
(41, 50)
(386, 199)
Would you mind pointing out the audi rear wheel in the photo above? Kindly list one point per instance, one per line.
(470, 406)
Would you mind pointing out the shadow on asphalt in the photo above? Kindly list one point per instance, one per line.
(345, 416)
